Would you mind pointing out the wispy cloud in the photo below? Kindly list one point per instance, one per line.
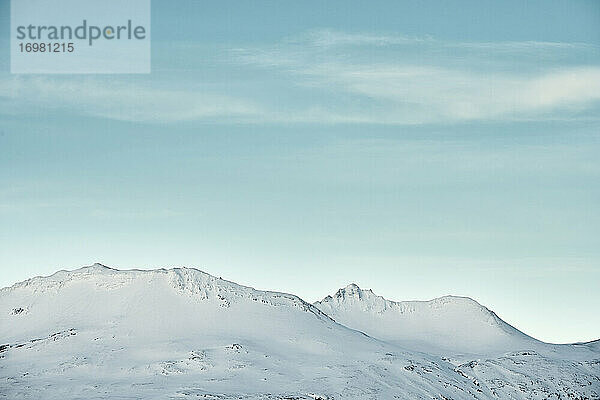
(331, 77)
(416, 94)
(120, 100)
(330, 38)
(417, 80)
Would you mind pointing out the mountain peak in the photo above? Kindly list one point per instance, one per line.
(448, 322)
(369, 299)
(96, 267)
(215, 338)
(192, 283)
(354, 291)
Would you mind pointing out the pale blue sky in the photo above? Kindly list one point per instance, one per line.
(416, 148)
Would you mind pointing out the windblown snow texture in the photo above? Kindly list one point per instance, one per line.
(100, 333)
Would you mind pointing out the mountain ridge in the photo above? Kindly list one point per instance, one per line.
(183, 279)
(89, 270)
(349, 291)
(188, 280)
(443, 324)
(182, 333)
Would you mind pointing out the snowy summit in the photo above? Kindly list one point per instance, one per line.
(98, 332)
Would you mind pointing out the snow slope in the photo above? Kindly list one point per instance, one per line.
(447, 325)
(100, 333)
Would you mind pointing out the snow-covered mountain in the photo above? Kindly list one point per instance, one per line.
(448, 325)
(102, 333)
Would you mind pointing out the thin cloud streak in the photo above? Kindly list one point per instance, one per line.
(415, 89)
(329, 38)
(113, 99)
(331, 77)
